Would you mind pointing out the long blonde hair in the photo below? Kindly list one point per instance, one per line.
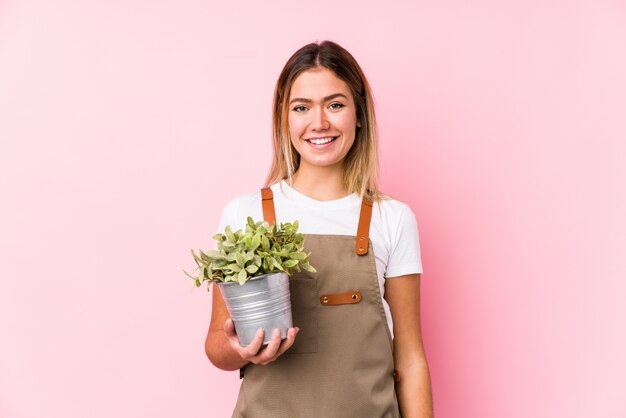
(361, 162)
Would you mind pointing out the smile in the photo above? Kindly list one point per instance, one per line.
(322, 141)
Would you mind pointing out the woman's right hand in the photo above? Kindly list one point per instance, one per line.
(257, 353)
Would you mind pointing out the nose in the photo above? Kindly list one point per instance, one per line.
(318, 120)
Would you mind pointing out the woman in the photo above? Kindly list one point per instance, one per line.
(351, 353)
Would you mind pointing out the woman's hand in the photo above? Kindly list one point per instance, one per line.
(255, 353)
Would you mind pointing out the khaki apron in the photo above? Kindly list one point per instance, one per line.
(341, 363)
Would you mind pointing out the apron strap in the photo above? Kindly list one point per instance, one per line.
(363, 230)
(267, 200)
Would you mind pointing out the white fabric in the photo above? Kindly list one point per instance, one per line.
(394, 235)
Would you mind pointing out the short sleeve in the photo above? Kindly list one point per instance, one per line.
(229, 216)
(405, 256)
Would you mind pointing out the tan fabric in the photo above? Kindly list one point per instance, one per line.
(341, 364)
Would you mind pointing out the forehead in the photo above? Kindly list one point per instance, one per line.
(318, 83)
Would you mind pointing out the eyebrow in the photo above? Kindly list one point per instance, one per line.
(327, 98)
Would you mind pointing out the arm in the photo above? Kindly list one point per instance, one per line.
(217, 346)
(414, 389)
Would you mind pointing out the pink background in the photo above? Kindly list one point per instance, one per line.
(125, 126)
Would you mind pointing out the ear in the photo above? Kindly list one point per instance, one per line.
(358, 124)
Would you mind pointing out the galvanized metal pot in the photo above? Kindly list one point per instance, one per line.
(261, 302)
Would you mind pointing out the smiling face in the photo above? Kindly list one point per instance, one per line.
(322, 118)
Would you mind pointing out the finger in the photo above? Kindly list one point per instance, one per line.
(245, 352)
(286, 343)
(251, 350)
(229, 329)
(291, 338)
(270, 350)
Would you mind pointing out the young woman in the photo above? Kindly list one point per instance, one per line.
(355, 350)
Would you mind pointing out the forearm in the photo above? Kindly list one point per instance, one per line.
(220, 352)
(414, 391)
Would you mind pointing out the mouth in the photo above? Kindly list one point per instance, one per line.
(321, 142)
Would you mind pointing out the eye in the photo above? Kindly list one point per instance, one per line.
(339, 105)
(298, 107)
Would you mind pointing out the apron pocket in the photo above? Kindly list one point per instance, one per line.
(304, 308)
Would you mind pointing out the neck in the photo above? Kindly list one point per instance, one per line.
(320, 183)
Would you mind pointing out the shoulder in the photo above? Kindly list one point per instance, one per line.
(393, 211)
(392, 204)
(395, 221)
(238, 208)
(242, 201)
(401, 238)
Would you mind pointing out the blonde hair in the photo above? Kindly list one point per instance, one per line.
(361, 162)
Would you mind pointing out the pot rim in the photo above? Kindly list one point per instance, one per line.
(253, 278)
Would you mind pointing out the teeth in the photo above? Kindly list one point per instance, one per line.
(321, 141)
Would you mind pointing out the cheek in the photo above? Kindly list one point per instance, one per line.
(295, 123)
(346, 120)
(295, 132)
(348, 125)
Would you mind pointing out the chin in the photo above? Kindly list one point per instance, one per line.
(324, 163)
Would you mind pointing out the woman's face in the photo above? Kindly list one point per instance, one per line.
(321, 109)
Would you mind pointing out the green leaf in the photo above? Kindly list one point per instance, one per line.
(298, 255)
(230, 257)
(308, 267)
(242, 277)
(239, 259)
(250, 221)
(234, 267)
(290, 263)
(266, 263)
(276, 264)
(229, 234)
(252, 269)
(256, 241)
(214, 255)
(265, 243)
(193, 277)
(280, 253)
(196, 258)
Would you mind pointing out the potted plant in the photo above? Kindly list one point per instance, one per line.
(252, 269)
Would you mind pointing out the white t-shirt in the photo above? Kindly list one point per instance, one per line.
(394, 235)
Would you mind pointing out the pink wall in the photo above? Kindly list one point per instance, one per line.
(502, 125)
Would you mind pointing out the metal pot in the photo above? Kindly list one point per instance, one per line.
(261, 302)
